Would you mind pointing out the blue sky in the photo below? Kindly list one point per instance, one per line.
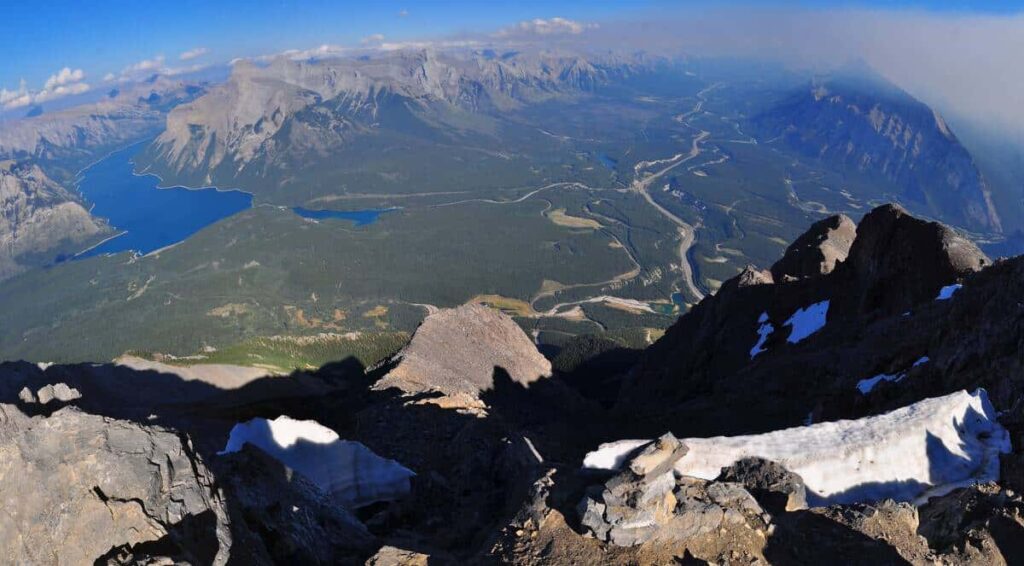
(104, 38)
(41, 38)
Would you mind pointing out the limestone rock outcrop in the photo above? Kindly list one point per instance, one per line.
(458, 351)
(818, 250)
(76, 486)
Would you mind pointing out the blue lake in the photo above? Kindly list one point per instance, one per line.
(360, 217)
(150, 218)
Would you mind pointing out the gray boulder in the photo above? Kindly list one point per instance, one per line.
(282, 517)
(631, 506)
(455, 352)
(77, 487)
(774, 486)
(818, 250)
(57, 392)
(646, 501)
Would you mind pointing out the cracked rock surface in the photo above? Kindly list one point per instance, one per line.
(77, 486)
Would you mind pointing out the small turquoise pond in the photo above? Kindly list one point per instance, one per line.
(360, 217)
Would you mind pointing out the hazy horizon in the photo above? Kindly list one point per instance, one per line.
(959, 58)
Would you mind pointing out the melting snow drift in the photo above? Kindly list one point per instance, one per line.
(865, 386)
(910, 454)
(946, 292)
(763, 332)
(349, 470)
(807, 321)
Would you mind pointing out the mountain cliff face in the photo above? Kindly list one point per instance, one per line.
(41, 219)
(871, 127)
(265, 119)
(69, 139)
(38, 217)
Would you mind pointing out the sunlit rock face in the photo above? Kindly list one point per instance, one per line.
(75, 486)
(36, 216)
(458, 351)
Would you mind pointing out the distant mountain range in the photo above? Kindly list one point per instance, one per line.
(865, 125)
(266, 119)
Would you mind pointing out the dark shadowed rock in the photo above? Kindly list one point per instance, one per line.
(297, 522)
(456, 351)
(975, 521)
(898, 261)
(734, 350)
(818, 250)
(774, 486)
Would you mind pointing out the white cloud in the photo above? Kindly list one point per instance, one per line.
(547, 27)
(374, 39)
(60, 92)
(63, 77)
(141, 69)
(154, 64)
(325, 50)
(15, 98)
(403, 13)
(193, 53)
(65, 82)
(12, 98)
(446, 44)
(109, 77)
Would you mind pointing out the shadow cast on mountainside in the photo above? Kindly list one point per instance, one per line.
(808, 538)
(200, 530)
(473, 471)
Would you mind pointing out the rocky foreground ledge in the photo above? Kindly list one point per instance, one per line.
(858, 402)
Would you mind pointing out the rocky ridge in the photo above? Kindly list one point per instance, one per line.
(505, 482)
(265, 118)
(38, 217)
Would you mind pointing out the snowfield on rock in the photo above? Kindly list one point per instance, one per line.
(866, 386)
(763, 332)
(807, 321)
(923, 450)
(947, 292)
(349, 470)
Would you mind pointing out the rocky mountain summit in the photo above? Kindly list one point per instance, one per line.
(455, 352)
(861, 399)
(126, 115)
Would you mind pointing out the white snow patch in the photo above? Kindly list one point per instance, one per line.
(910, 454)
(867, 385)
(946, 292)
(763, 332)
(807, 321)
(349, 470)
(611, 456)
